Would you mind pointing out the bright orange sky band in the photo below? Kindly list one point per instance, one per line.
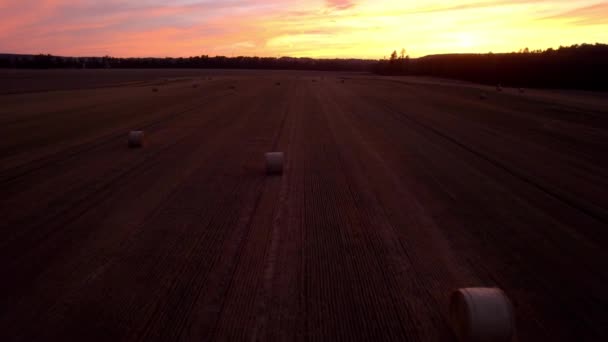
(317, 28)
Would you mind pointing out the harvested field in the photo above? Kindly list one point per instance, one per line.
(394, 192)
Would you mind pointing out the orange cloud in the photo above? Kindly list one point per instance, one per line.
(316, 28)
(340, 4)
(589, 15)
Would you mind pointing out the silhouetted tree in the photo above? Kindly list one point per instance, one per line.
(204, 61)
(582, 66)
(579, 67)
(394, 56)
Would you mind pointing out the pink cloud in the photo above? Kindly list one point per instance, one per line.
(340, 4)
(588, 15)
(261, 27)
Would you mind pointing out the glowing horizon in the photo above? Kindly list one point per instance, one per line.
(317, 28)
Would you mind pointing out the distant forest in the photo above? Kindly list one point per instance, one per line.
(198, 62)
(576, 67)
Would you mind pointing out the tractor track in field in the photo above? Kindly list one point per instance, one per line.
(423, 262)
(94, 192)
(234, 248)
(260, 229)
(249, 228)
(219, 153)
(594, 211)
(524, 307)
(98, 192)
(328, 242)
(10, 176)
(393, 194)
(599, 214)
(387, 238)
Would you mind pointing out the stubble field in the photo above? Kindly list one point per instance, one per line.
(395, 192)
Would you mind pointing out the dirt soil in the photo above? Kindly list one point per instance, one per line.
(395, 192)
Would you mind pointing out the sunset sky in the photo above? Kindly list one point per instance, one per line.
(316, 28)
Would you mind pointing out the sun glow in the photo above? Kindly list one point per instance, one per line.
(466, 41)
(317, 28)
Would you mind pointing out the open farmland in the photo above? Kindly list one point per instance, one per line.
(395, 192)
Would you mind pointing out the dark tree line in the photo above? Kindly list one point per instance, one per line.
(576, 67)
(205, 62)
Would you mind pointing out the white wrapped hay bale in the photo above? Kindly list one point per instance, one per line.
(274, 162)
(136, 139)
(482, 314)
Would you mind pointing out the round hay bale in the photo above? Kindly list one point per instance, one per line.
(278, 83)
(481, 314)
(274, 162)
(136, 139)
